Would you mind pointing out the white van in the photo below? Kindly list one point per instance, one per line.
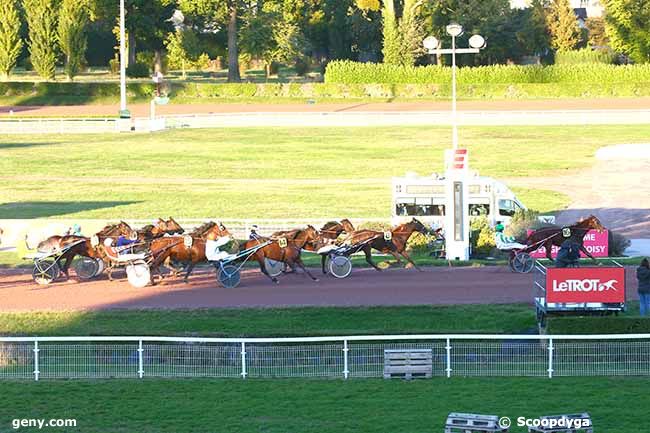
(424, 197)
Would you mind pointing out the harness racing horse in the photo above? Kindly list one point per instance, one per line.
(161, 228)
(180, 250)
(84, 249)
(549, 236)
(333, 229)
(393, 242)
(288, 253)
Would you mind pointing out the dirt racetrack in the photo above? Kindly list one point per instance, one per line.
(365, 287)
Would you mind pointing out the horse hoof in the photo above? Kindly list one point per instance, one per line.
(315, 280)
(276, 281)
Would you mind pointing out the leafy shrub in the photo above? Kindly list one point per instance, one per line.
(617, 244)
(586, 55)
(114, 65)
(522, 221)
(301, 66)
(481, 237)
(347, 72)
(137, 70)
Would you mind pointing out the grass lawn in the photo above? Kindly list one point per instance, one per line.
(271, 173)
(269, 322)
(319, 406)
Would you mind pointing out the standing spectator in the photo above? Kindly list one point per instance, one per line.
(643, 277)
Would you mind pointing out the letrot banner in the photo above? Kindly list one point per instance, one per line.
(596, 243)
(583, 285)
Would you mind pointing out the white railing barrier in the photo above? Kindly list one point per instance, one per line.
(344, 357)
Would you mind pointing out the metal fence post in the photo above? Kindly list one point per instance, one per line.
(448, 348)
(140, 363)
(36, 371)
(346, 372)
(550, 358)
(243, 360)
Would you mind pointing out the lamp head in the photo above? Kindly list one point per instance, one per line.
(431, 43)
(477, 41)
(454, 29)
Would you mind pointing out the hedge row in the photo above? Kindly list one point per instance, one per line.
(45, 93)
(598, 325)
(348, 72)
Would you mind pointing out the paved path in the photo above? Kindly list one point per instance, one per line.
(439, 285)
(141, 110)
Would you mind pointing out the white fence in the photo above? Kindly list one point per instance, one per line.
(324, 357)
(45, 125)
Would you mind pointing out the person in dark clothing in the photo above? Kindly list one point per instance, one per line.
(569, 254)
(643, 277)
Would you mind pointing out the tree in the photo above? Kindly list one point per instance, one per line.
(147, 23)
(597, 34)
(391, 34)
(183, 49)
(272, 33)
(562, 26)
(10, 42)
(213, 15)
(41, 20)
(492, 19)
(628, 28)
(412, 33)
(72, 28)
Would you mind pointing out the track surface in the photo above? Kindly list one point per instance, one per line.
(439, 285)
(140, 110)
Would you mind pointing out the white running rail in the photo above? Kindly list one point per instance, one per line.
(326, 357)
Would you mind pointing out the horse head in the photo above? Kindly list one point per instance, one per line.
(332, 230)
(216, 231)
(591, 222)
(419, 227)
(348, 227)
(172, 227)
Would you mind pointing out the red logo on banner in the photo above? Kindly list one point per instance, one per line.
(564, 285)
(596, 243)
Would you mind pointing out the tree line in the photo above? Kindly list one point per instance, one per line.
(306, 32)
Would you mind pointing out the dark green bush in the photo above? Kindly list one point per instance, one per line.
(301, 67)
(137, 70)
(481, 237)
(617, 244)
(598, 325)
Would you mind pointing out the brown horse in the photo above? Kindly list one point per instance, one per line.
(289, 254)
(333, 229)
(549, 236)
(161, 228)
(181, 251)
(393, 242)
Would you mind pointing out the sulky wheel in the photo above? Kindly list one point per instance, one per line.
(273, 267)
(86, 268)
(138, 274)
(228, 276)
(340, 266)
(522, 263)
(45, 271)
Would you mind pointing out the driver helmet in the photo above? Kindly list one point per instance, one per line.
(254, 227)
(499, 227)
(133, 236)
(108, 242)
(76, 228)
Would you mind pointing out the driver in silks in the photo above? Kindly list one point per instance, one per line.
(213, 245)
(504, 242)
(569, 254)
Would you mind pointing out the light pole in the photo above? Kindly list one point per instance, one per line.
(124, 113)
(456, 178)
(433, 46)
